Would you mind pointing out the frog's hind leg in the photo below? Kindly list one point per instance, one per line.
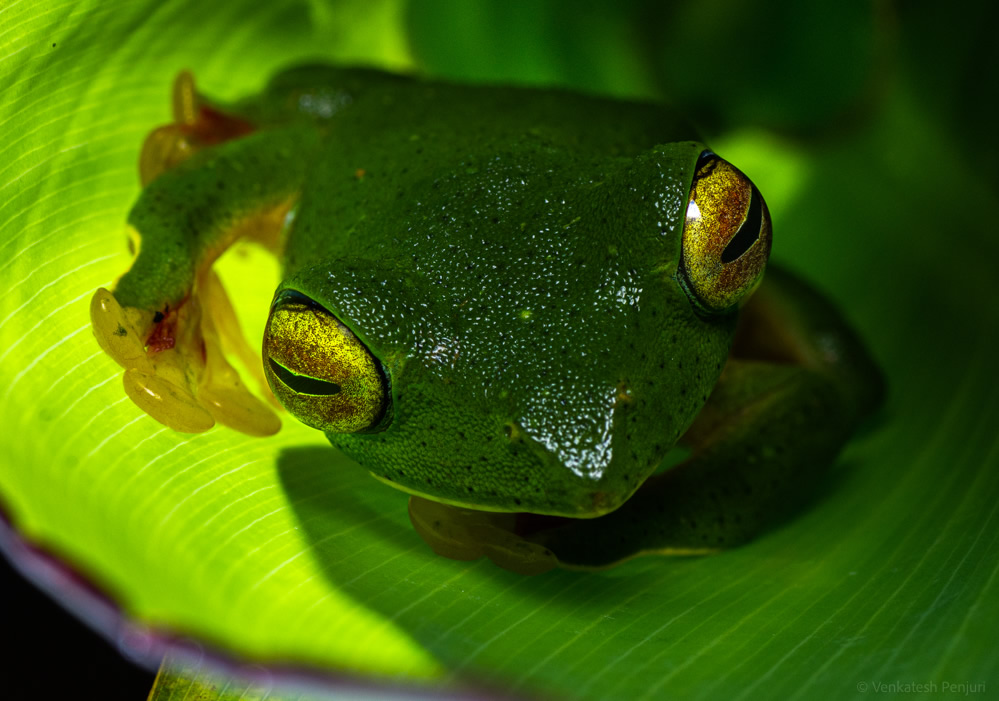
(168, 321)
(795, 388)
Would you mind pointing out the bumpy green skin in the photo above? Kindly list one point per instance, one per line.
(184, 212)
(773, 423)
(511, 257)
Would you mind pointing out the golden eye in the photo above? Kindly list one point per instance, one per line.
(319, 370)
(726, 237)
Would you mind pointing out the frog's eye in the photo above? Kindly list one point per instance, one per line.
(319, 370)
(726, 237)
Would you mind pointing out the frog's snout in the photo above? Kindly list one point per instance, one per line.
(581, 471)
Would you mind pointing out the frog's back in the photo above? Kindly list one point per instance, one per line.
(368, 100)
(393, 142)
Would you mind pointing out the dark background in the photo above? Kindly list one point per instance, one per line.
(51, 654)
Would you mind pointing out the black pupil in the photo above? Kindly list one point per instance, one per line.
(303, 384)
(748, 232)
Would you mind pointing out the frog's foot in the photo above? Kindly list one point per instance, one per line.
(196, 126)
(465, 534)
(175, 367)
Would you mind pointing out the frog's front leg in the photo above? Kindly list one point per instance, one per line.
(168, 320)
(797, 384)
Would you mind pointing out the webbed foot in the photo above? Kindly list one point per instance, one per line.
(175, 366)
(196, 126)
(466, 534)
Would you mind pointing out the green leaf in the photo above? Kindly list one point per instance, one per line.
(279, 552)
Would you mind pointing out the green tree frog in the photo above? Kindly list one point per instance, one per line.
(510, 303)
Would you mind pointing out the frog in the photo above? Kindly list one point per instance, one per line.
(540, 313)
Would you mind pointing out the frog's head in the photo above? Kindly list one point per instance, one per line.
(542, 340)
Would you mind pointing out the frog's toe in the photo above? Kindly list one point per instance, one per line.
(226, 398)
(120, 330)
(164, 148)
(167, 402)
(156, 380)
(465, 534)
(513, 553)
(236, 408)
(220, 389)
(440, 528)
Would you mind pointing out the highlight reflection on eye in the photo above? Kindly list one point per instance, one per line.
(726, 235)
(319, 370)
